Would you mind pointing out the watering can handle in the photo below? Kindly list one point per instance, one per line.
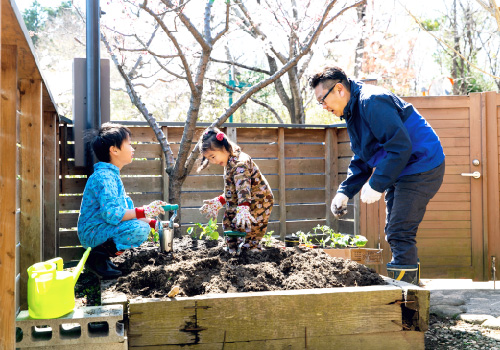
(58, 262)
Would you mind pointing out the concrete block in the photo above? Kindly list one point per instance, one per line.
(92, 326)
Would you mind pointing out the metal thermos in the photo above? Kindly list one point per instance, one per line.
(166, 238)
(166, 235)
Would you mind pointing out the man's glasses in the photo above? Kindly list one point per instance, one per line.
(320, 102)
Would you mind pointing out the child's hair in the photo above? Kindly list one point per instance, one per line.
(213, 139)
(109, 134)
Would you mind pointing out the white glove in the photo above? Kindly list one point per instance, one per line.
(339, 205)
(369, 195)
(243, 217)
(154, 209)
(211, 207)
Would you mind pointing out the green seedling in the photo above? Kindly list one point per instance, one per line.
(304, 238)
(153, 236)
(268, 239)
(359, 241)
(209, 231)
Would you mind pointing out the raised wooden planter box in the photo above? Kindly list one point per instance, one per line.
(393, 316)
(365, 256)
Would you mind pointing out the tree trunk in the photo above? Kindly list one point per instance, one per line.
(174, 197)
(359, 54)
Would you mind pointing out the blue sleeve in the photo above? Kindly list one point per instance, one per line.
(388, 128)
(107, 193)
(357, 174)
(130, 203)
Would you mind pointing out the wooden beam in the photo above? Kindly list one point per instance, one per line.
(282, 185)
(8, 150)
(476, 187)
(50, 185)
(492, 171)
(31, 178)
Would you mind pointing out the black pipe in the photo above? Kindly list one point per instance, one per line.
(93, 65)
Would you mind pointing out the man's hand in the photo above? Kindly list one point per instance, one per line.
(211, 207)
(339, 205)
(243, 217)
(369, 195)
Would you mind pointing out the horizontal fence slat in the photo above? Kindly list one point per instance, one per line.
(304, 150)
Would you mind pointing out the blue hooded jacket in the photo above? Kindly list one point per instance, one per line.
(388, 134)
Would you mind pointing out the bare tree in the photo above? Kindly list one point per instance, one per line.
(182, 25)
(295, 22)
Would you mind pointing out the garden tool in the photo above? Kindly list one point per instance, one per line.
(166, 235)
(51, 291)
(234, 235)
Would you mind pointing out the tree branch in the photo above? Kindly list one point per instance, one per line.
(136, 100)
(449, 47)
(244, 97)
(172, 38)
(226, 28)
(148, 51)
(254, 69)
(273, 111)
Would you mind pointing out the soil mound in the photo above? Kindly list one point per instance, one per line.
(203, 267)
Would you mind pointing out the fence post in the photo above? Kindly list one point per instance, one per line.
(30, 125)
(331, 174)
(50, 182)
(282, 187)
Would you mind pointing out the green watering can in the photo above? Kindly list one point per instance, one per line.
(51, 291)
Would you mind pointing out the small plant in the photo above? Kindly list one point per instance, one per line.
(359, 241)
(338, 240)
(268, 239)
(209, 230)
(304, 238)
(153, 236)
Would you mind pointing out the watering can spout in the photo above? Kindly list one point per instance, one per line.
(80, 265)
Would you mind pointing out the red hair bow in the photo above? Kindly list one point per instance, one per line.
(220, 136)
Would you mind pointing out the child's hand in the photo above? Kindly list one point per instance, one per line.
(154, 209)
(211, 207)
(243, 217)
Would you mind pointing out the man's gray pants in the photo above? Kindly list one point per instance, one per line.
(406, 202)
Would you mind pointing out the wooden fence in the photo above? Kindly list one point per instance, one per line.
(303, 166)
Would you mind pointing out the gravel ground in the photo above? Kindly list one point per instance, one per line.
(448, 334)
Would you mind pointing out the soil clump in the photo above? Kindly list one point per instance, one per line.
(203, 267)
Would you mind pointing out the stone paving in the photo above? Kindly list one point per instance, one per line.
(472, 302)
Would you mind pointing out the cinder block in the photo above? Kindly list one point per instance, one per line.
(90, 327)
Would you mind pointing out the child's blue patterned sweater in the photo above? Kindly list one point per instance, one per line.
(103, 205)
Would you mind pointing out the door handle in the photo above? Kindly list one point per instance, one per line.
(475, 174)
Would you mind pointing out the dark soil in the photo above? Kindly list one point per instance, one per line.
(202, 267)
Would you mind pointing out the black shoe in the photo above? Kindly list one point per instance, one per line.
(108, 247)
(112, 265)
(98, 263)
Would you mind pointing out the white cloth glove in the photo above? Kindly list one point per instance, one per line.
(243, 217)
(211, 207)
(339, 205)
(154, 209)
(369, 195)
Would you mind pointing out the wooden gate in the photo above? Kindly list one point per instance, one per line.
(453, 237)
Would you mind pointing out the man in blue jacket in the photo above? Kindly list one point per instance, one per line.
(389, 135)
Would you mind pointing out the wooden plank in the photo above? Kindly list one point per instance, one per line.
(453, 132)
(437, 225)
(325, 312)
(262, 150)
(457, 151)
(344, 149)
(438, 124)
(455, 188)
(444, 262)
(50, 185)
(372, 341)
(437, 271)
(68, 238)
(304, 181)
(476, 188)
(131, 184)
(342, 135)
(449, 206)
(449, 197)
(447, 215)
(304, 196)
(70, 202)
(306, 211)
(257, 135)
(304, 135)
(31, 174)
(451, 142)
(432, 114)
(68, 220)
(491, 182)
(450, 102)
(71, 253)
(444, 233)
(304, 150)
(302, 166)
(303, 225)
(8, 150)
(282, 183)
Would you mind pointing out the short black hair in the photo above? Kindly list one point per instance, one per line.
(329, 74)
(109, 134)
